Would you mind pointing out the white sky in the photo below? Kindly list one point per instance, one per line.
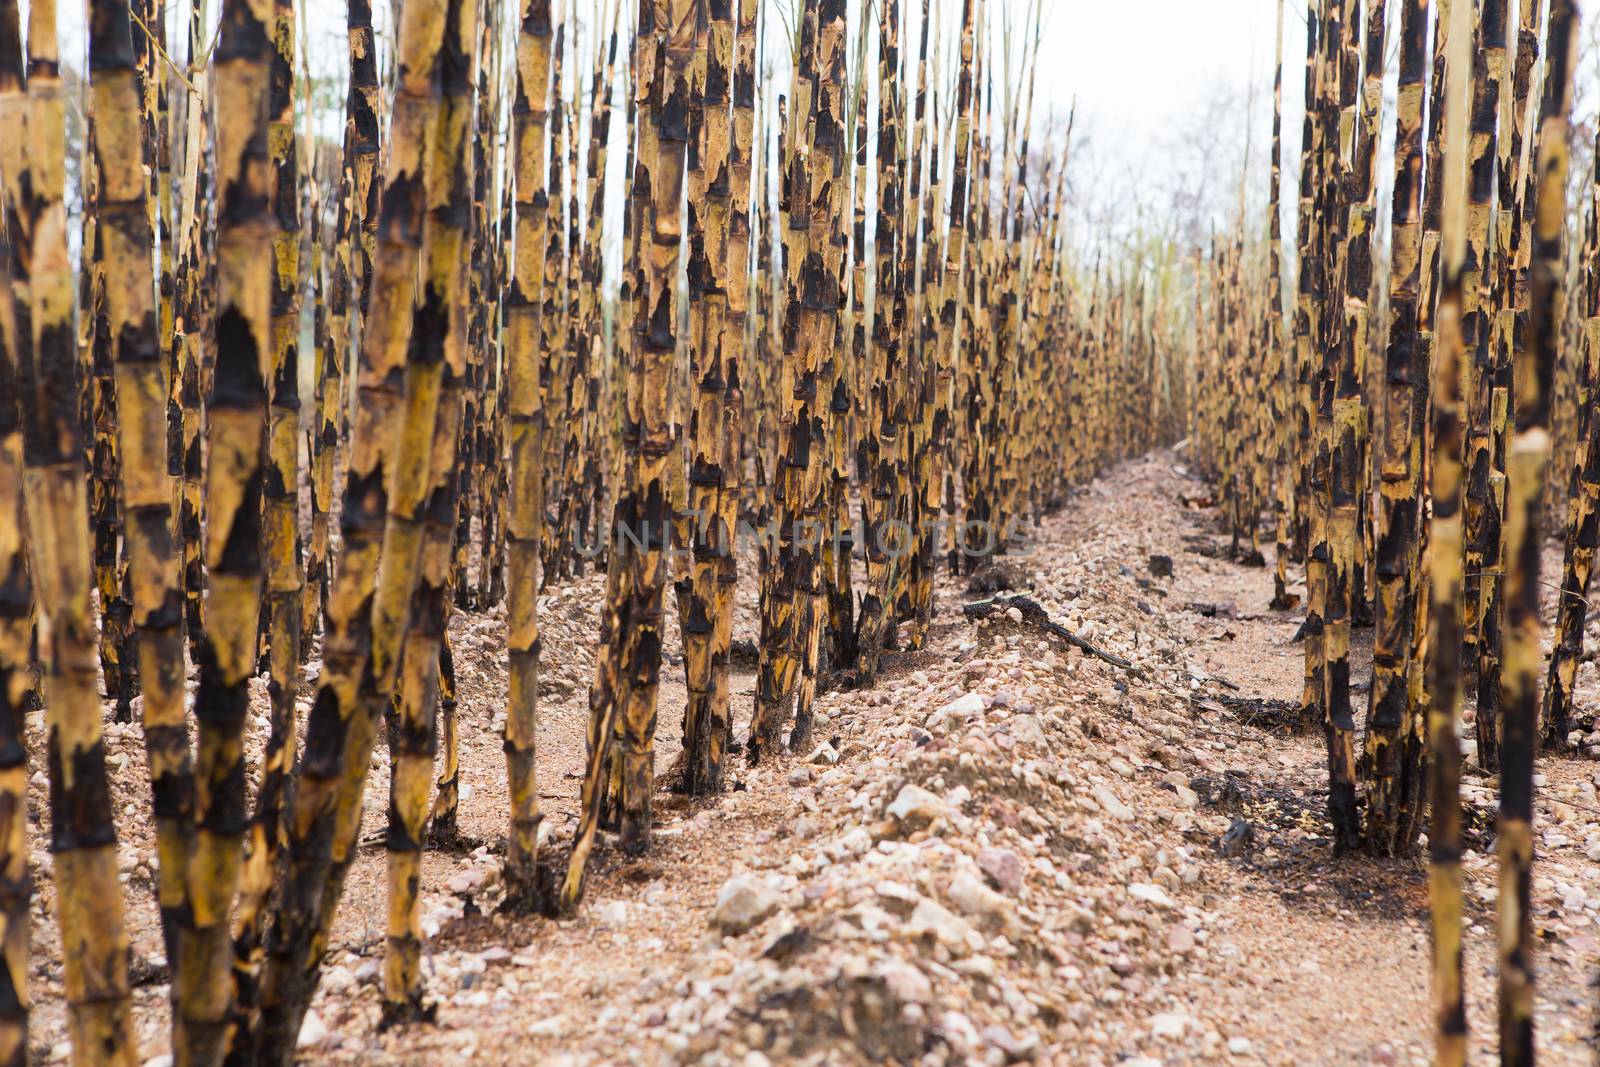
(1136, 68)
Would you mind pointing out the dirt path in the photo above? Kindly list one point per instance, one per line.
(1007, 851)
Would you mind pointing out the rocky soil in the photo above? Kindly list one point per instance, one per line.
(1011, 850)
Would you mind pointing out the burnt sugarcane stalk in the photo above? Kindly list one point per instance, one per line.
(1400, 469)
(16, 587)
(601, 780)
(706, 626)
(1525, 468)
(324, 814)
(1445, 553)
(781, 631)
(1347, 429)
(280, 534)
(1506, 312)
(233, 545)
(425, 530)
(1482, 540)
(147, 490)
(1281, 384)
(885, 488)
(644, 513)
(1583, 515)
(525, 427)
(82, 838)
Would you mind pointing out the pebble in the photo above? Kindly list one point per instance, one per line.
(1027, 730)
(905, 982)
(979, 901)
(998, 1037)
(1151, 894)
(946, 927)
(1003, 868)
(553, 1026)
(824, 754)
(1111, 805)
(956, 712)
(915, 807)
(744, 901)
(313, 1031)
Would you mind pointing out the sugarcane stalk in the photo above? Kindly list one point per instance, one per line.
(526, 432)
(324, 813)
(1445, 554)
(1534, 367)
(439, 334)
(82, 839)
(1400, 470)
(16, 586)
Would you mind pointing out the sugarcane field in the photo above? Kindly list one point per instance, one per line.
(818, 532)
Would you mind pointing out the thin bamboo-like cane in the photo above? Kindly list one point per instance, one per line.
(147, 491)
(1400, 467)
(1444, 564)
(324, 814)
(706, 725)
(886, 477)
(1525, 468)
(525, 510)
(438, 354)
(237, 420)
(89, 899)
(280, 534)
(16, 586)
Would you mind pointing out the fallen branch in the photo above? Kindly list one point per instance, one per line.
(1035, 613)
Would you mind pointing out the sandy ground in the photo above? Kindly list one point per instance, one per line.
(1007, 851)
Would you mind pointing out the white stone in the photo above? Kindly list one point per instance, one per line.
(823, 753)
(976, 899)
(854, 843)
(313, 1031)
(554, 1026)
(915, 806)
(1028, 731)
(946, 927)
(1151, 894)
(744, 901)
(956, 712)
(1111, 805)
(908, 984)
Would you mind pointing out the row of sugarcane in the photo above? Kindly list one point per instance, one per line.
(1410, 480)
(482, 408)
